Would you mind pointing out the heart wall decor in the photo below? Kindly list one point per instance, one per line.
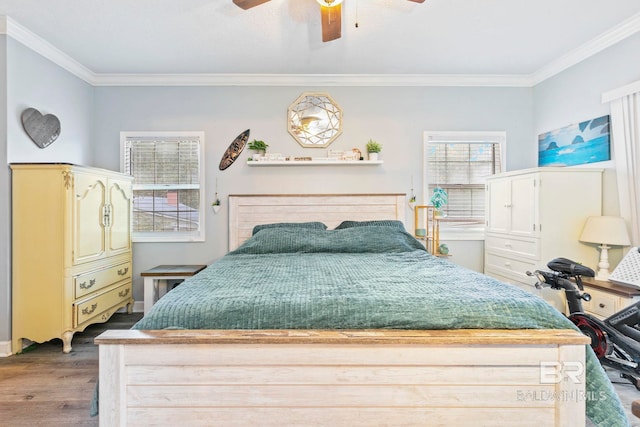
(43, 130)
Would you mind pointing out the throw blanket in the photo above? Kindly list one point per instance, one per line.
(359, 277)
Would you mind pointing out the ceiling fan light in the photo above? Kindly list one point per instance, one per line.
(329, 3)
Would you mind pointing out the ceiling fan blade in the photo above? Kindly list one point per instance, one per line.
(417, 1)
(248, 4)
(331, 22)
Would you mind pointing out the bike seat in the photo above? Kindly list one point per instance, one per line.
(572, 268)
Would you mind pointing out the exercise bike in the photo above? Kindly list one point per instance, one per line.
(616, 339)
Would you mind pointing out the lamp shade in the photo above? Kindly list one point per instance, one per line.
(607, 230)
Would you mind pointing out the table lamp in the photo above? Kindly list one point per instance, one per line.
(605, 231)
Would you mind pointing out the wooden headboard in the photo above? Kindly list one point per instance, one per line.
(247, 211)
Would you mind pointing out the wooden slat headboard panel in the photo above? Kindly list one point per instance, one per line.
(247, 211)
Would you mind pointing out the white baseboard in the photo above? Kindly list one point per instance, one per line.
(138, 307)
(5, 348)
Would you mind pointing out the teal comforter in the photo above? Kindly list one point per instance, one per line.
(376, 276)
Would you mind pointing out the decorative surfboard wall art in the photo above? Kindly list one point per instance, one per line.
(42, 129)
(234, 150)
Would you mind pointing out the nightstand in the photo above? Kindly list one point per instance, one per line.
(155, 280)
(607, 297)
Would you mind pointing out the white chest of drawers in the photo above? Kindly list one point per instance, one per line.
(535, 215)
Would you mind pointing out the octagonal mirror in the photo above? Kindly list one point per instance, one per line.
(315, 120)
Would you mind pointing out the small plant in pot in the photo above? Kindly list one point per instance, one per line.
(373, 148)
(412, 200)
(216, 204)
(258, 147)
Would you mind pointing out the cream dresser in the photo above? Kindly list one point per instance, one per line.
(535, 215)
(71, 250)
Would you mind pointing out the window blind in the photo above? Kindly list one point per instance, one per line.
(166, 184)
(460, 167)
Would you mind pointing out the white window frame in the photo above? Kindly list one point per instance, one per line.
(177, 236)
(475, 232)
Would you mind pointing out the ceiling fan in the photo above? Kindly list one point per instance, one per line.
(330, 11)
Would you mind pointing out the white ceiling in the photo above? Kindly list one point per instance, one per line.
(443, 37)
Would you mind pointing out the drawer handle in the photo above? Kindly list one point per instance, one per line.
(84, 285)
(86, 310)
(507, 264)
(601, 305)
(123, 293)
(123, 271)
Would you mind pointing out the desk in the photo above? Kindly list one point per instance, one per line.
(155, 280)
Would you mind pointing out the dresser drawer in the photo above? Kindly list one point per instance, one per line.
(90, 308)
(509, 267)
(602, 304)
(529, 248)
(87, 283)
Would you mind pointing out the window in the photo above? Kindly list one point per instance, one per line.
(168, 181)
(459, 162)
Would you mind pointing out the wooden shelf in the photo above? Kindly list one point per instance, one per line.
(427, 221)
(314, 162)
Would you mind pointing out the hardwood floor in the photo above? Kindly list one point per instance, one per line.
(44, 387)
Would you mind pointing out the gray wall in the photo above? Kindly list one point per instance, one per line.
(394, 116)
(33, 81)
(5, 206)
(575, 95)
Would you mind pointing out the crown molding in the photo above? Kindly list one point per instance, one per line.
(614, 35)
(38, 44)
(46, 49)
(309, 80)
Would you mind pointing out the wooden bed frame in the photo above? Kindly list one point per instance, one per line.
(343, 377)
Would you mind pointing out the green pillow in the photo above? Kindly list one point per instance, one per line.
(311, 225)
(373, 223)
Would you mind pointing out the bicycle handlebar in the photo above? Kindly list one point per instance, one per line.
(553, 279)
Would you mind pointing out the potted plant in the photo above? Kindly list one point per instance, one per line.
(258, 147)
(216, 204)
(373, 148)
(412, 201)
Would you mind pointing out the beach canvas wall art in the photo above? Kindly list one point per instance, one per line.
(576, 144)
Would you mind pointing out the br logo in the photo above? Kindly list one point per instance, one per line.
(556, 372)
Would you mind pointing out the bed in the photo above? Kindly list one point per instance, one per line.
(326, 311)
